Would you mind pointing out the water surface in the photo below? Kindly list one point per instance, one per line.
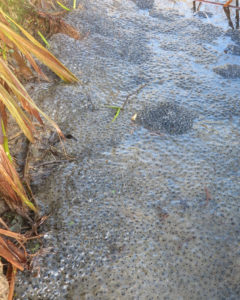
(131, 216)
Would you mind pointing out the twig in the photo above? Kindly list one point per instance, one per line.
(26, 179)
(12, 271)
(15, 136)
(53, 162)
(208, 195)
(4, 224)
(228, 14)
(217, 3)
(126, 101)
(26, 164)
(199, 6)
(237, 15)
(194, 6)
(136, 92)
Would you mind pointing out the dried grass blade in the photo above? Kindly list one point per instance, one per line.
(21, 254)
(10, 184)
(9, 256)
(28, 35)
(15, 235)
(12, 282)
(22, 93)
(5, 142)
(22, 120)
(16, 87)
(40, 52)
(30, 59)
(3, 113)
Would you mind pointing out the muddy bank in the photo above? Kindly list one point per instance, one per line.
(130, 216)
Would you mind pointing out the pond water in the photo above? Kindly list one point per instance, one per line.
(149, 209)
(210, 13)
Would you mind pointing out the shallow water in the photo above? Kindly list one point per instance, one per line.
(131, 219)
(212, 14)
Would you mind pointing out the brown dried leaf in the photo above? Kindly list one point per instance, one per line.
(8, 254)
(11, 187)
(58, 25)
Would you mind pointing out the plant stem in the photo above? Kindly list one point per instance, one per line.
(4, 139)
(1, 131)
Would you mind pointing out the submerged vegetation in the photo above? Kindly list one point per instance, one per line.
(18, 50)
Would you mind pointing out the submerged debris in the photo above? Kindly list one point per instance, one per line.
(232, 49)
